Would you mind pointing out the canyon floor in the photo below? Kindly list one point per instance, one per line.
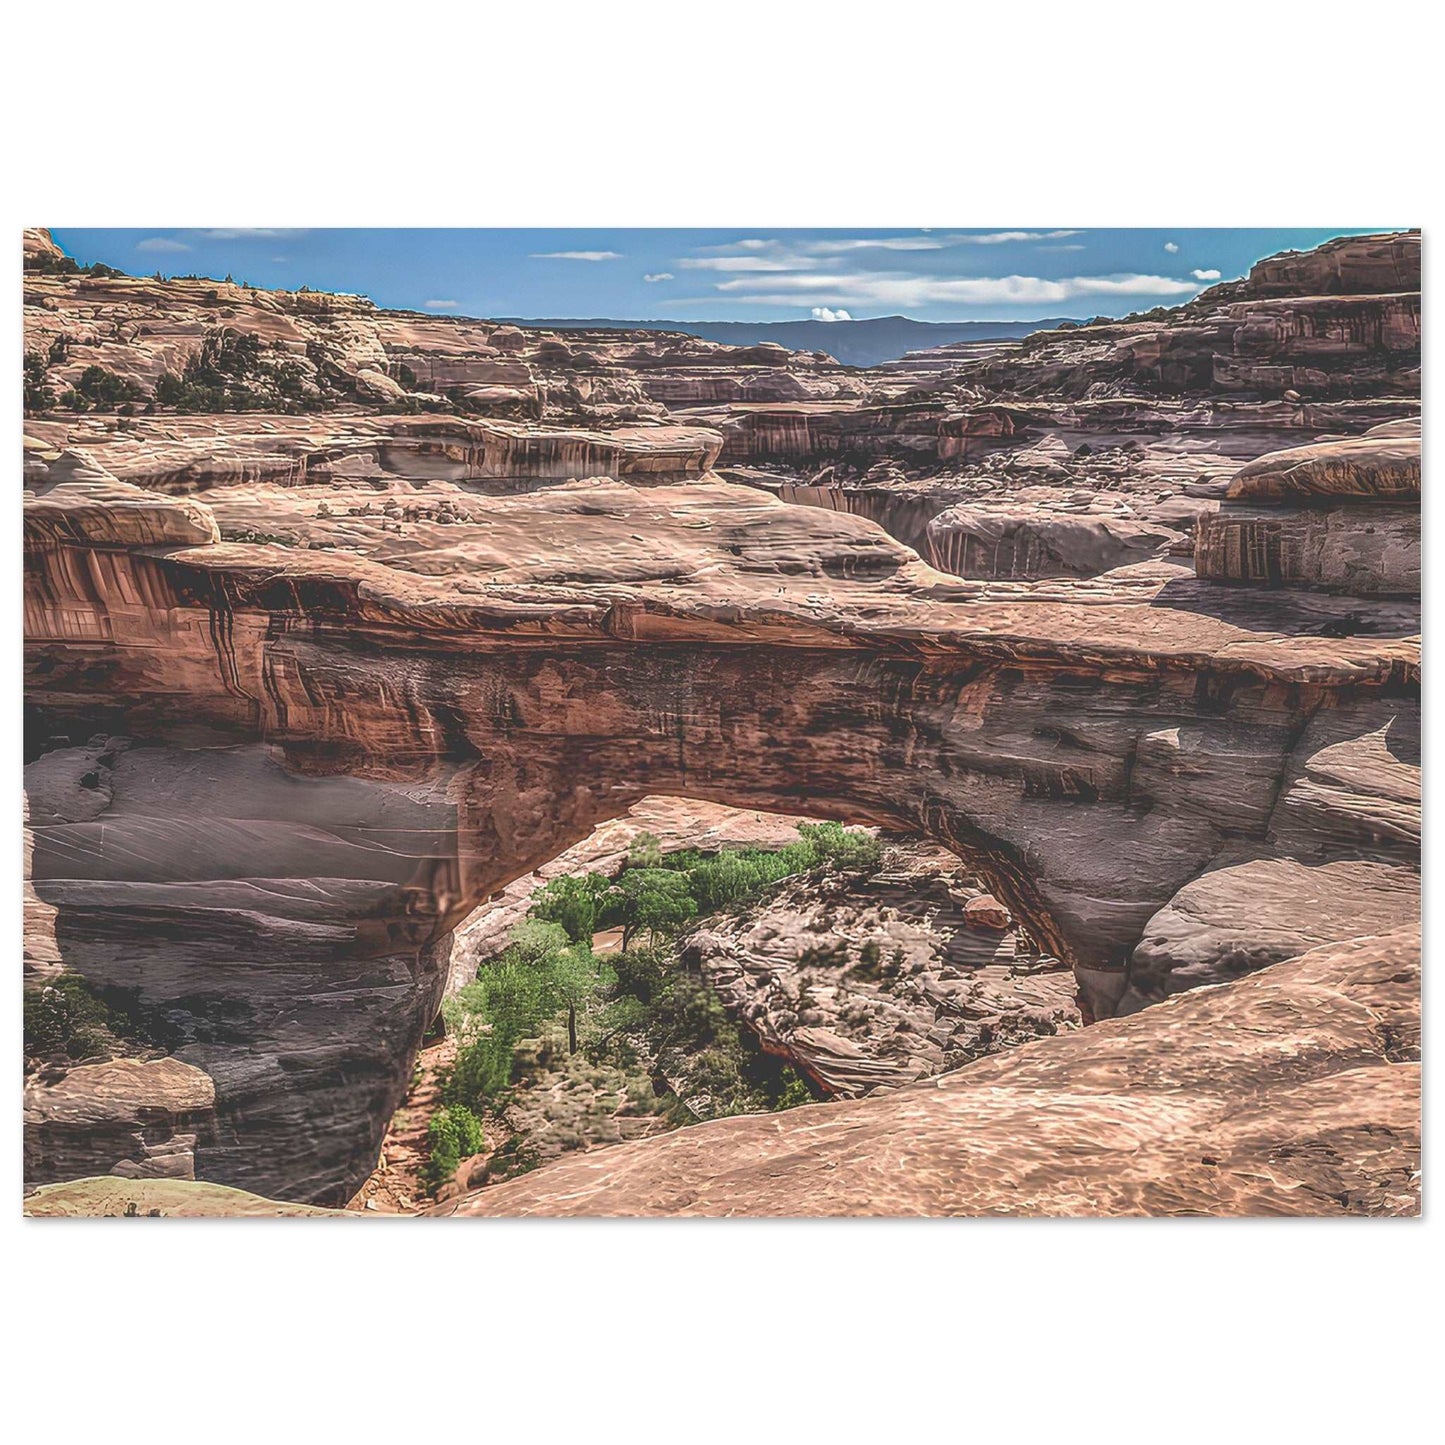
(356, 639)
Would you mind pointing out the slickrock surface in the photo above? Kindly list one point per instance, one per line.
(309, 682)
(105, 1198)
(1293, 1091)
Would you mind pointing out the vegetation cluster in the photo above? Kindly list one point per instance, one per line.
(639, 1013)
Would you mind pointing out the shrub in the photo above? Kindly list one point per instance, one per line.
(641, 972)
(224, 354)
(101, 390)
(232, 372)
(453, 1133)
(57, 1013)
(833, 843)
(38, 394)
(46, 264)
(794, 1089)
(68, 1015)
(645, 852)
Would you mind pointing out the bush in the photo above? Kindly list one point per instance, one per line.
(641, 972)
(101, 390)
(453, 1134)
(225, 354)
(833, 843)
(38, 395)
(45, 264)
(59, 1013)
(231, 372)
(69, 1016)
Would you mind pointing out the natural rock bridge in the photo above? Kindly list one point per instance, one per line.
(268, 782)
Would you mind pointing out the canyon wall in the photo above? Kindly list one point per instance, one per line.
(272, 782)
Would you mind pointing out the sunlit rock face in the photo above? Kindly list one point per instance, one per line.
(1295, 1091)
(1348, 265)
(1341, 516)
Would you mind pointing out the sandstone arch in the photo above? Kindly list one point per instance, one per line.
(270, 782)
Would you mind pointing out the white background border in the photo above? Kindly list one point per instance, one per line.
(777, 114)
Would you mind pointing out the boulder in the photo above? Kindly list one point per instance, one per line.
(1371, 468)
(987, 913)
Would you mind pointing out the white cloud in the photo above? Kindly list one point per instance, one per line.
(658, 276)
(440, 305)
(872, 243)
(826, 313)
(246, 233)
(1205, 275)
(891, 288)
(792, 253)
(575, 256)
(746, 263)
(1170, 247)
(999, 238)
(161, 243)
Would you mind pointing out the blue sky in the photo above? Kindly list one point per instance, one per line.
(743, 274)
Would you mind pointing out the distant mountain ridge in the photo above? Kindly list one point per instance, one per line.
(855, 343)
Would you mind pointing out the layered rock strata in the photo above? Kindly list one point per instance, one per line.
(305, 690)
(1343, 516)
(334, 757)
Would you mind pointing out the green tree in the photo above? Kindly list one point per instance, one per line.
(656, 899)
(571, 903)
(539, 974)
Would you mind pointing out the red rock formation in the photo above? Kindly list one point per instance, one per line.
(1342, 516)
(1352, 265)
(388, 739)
(1294, 1091)
(290, 731)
